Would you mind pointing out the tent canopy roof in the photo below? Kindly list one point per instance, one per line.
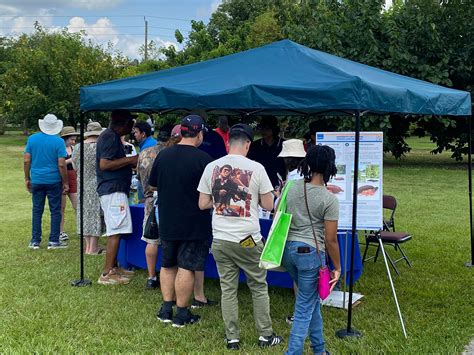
(280, 78)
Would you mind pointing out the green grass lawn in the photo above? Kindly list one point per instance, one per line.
(41, 312)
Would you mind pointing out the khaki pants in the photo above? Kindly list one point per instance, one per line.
(230, 257)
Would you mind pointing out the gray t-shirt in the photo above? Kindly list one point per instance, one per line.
(323, 205)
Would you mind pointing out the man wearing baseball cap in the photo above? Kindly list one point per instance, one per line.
(184, 229)
(234, 186)
(114, 174)
(46, 176)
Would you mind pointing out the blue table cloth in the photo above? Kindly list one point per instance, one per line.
(132, 252)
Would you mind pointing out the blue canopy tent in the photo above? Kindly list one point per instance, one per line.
(282, 78)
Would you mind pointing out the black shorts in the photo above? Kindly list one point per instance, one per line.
(186, 254)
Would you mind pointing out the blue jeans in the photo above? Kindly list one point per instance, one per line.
(304, 270)
(39, 193)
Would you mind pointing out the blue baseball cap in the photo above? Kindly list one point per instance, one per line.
(192, 123)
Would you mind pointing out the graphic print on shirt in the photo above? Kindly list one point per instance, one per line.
(230, 191)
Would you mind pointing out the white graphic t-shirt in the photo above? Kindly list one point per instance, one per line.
(235, 184)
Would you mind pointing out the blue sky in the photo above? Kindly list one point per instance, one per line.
(120, 22)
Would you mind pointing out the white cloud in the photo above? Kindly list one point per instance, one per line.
(103, 32)
(215, 4)
(206, 11)
(17, 24)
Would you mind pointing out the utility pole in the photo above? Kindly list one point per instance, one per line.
(146, 38)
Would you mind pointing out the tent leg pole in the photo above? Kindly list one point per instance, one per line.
(349, 332)
(345, 272)
(81, 282)
(469, 172)
(393, 287)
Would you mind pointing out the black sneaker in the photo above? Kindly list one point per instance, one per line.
(233, 344)
(165, 316)
(180, 322)
(290, 319)
(271, 340)
(199, 304)
(152, 284)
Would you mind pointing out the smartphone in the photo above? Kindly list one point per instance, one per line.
(303, 250)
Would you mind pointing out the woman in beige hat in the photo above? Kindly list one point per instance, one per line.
(92, 216)
(69, 134)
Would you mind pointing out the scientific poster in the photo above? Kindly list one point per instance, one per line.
(370, 182)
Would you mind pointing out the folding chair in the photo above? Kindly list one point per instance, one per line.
(388, 235)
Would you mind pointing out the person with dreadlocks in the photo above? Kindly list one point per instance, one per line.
(316, 219)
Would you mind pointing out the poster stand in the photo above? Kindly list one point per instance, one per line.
(389, 275)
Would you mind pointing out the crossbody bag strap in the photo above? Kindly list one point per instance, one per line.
(311, 221)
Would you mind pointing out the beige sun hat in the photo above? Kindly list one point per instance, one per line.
(292, 148)
(50, 125)
(93, 129)
(68, 131)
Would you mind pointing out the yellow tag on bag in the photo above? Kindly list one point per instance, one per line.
(248, 242)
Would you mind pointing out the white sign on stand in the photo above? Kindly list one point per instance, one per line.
(370, 180)
(340, 299)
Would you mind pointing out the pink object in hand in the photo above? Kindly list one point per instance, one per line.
(323, 282)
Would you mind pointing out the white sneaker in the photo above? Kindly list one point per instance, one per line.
(59, 245)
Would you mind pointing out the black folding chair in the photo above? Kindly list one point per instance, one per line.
(388, 236)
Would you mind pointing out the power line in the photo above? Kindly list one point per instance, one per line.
(94, 27)
(108, 34)
(97, 16)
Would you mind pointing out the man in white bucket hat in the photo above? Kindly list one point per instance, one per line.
(46, 176)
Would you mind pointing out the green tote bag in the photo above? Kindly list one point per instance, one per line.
(275, 244)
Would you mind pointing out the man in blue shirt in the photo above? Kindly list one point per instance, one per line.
(142, 133)
(46, 176)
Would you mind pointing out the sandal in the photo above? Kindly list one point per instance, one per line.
(100, 251)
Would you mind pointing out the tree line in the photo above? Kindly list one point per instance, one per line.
(425, 39)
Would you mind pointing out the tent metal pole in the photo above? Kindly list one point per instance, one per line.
(469, 172)
(392, 286)
(345, 271)
(349, 331)
(81, 282)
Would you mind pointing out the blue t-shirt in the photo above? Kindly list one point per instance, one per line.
(213, 144)
(45, 150)
(147, 143)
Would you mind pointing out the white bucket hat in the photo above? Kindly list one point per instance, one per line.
(50, 125)
(292, 148)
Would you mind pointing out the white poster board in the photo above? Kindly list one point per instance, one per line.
(370, 182)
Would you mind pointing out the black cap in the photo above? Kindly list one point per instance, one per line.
(268, 122)
(192, 123)
(242, 128)
(124, 114)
